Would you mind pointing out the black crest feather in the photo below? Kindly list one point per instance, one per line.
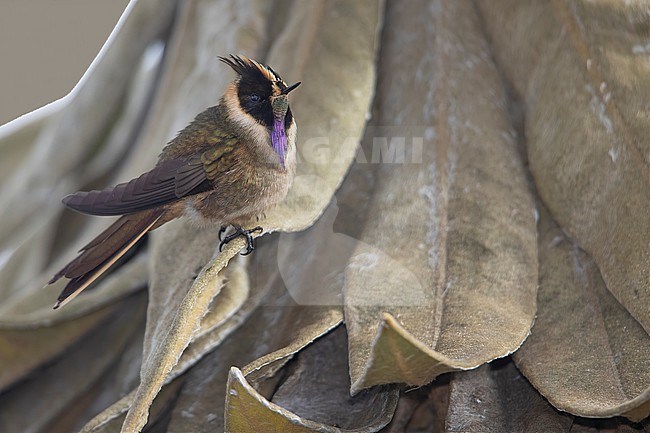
(250, 69)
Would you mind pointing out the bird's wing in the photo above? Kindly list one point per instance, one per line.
(169, 181)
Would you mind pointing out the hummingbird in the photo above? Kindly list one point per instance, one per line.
(231, 163)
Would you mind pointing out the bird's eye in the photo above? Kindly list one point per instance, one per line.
(255, 97)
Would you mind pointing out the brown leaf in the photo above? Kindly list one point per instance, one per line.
(581, 72)
(496, 398)
(277, 325)
(330, 46)
(21, 351)
(586, 353)
(57, 385)
(226, 314)
(313, 396)
(184, 323)
(445, 275)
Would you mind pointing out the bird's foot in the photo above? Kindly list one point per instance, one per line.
(222, 230)
(239, 231)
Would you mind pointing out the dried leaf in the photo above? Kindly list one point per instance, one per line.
(580, 69)
(64, 143)
(225, 317)
(325, 42)
(184, 324)
(38, 346)
(35, 309)
(169, 331)
(175, 308)
(312, 397)
(586, 354)
(60, 383)
(445, 275)
(277, 324)
(496, 398)
(233, 305)
(18, 136)
(33, 231)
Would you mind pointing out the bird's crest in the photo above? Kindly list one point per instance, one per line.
(251, 70)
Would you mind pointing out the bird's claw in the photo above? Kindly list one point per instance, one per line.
(239, 231)
(222, 230)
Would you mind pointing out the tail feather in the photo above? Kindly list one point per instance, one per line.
(103, 251)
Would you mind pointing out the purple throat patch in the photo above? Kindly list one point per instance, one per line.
(279, 139)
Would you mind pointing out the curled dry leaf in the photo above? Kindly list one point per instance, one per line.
(199, 406)
(586, 353)
(230, 309)
(581, 71)
(445, 274)
(168, 350)
(277, 325)
(312, 397)
(233, 305)
(272, 321)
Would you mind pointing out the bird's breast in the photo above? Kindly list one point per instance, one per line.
(241, 195)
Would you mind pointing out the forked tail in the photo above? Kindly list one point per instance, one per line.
(103, 251)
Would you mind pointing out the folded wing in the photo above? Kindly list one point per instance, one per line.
(167, 182)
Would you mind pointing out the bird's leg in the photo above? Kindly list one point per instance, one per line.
(247, 233)
(222, 230)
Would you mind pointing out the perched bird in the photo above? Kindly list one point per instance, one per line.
(234, 161)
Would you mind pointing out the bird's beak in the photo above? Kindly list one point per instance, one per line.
(290, 88)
